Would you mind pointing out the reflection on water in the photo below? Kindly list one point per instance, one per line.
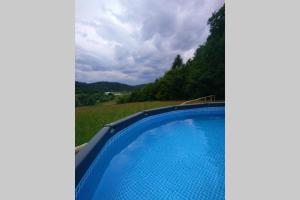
(171, 157)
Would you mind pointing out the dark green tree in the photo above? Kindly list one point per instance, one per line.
(177, 62)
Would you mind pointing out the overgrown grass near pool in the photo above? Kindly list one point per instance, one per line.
(90, 119)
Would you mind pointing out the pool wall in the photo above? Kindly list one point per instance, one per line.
(85, 157)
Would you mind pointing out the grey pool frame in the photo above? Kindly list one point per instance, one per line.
(85, 157)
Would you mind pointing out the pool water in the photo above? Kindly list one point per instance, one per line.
(175, 155)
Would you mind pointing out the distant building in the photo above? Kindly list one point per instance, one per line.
(113, 93)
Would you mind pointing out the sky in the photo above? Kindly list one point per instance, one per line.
(136, 41)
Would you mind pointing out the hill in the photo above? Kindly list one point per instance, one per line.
(101, 87)
(92, 93)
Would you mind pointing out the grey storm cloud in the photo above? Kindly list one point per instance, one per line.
(135, 41)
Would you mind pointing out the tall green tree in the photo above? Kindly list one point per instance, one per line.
(177, 62)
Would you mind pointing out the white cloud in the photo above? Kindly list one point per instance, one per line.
(135, 41)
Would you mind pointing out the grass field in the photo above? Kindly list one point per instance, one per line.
(90, 119)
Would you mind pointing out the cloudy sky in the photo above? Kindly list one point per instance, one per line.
(135, 41)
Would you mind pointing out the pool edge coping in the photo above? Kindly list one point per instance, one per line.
(87, 154)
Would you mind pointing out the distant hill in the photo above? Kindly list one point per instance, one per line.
(101, 87)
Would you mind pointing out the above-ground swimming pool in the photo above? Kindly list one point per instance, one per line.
(171, 153)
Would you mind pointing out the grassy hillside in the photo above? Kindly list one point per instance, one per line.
(90, 119)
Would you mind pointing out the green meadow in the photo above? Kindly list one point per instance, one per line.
(90, 119)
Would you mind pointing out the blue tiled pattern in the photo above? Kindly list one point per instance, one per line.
(174, 155)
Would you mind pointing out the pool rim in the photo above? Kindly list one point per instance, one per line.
(88, 153)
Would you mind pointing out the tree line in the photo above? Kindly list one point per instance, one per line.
(88, 99)
(87, 94)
